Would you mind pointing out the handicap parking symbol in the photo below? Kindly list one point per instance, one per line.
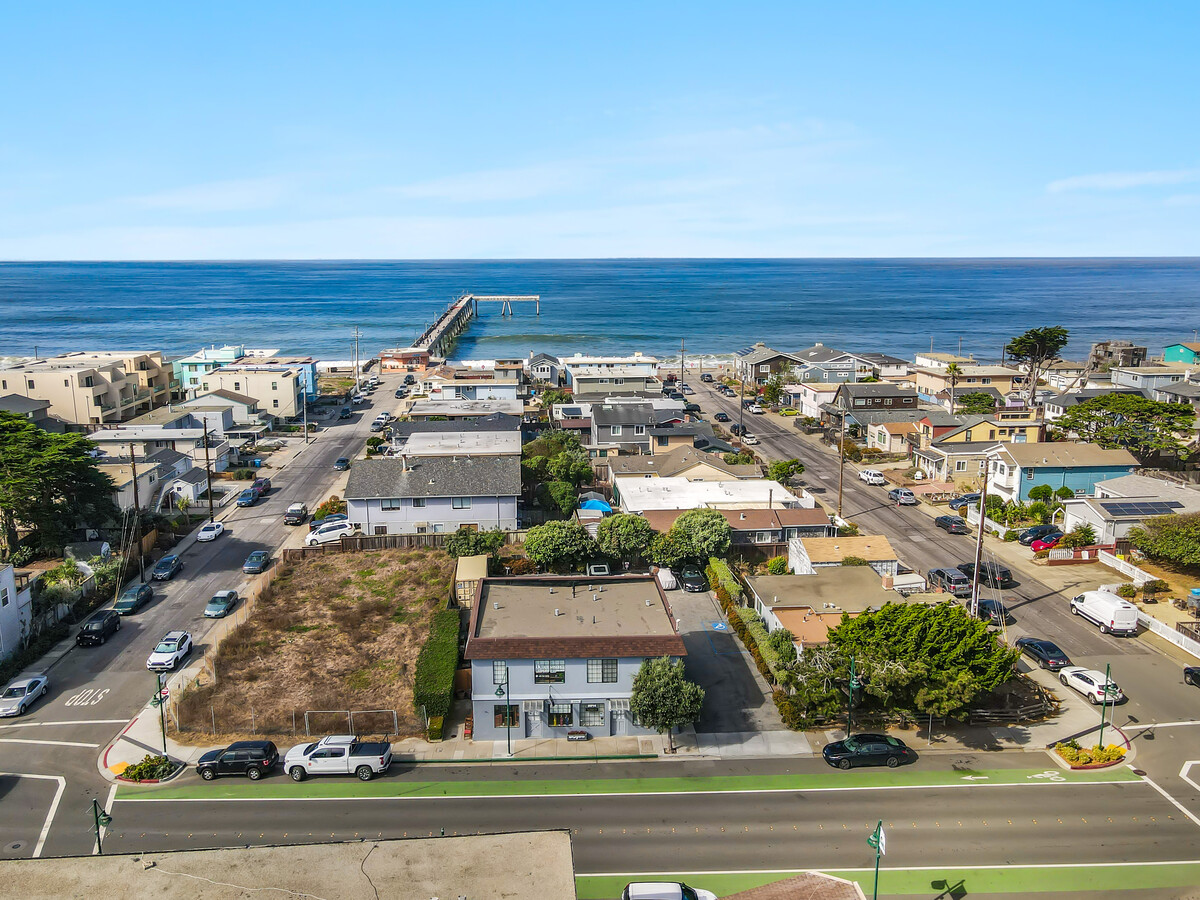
(719, 626)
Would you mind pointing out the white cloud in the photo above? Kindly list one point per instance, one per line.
(1120, 181)
(239, 195)
(499, 185)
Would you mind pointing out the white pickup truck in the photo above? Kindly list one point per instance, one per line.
(338, 754)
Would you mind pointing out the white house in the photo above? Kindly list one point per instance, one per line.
(807, 554)
(637, 494)
(1122, 503)
(433, 494)
(16, 612)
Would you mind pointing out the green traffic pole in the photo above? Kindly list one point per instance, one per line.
(1103, 705)
(850, 701)
(162, 715)
(875, 891)
(96, 816)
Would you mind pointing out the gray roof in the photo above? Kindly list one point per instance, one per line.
(818, 353)
(940, 418)
(545, 358)
(761, 353)
(961, 391)
(194, 475)
(494, 422)
(878, 416)
(875, 389)
(15, 403)
(970, 448)
(883, 359)
(166, 456)
(435, 476)
(604, 414)
(1187, 389)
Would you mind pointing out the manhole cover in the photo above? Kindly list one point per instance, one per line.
(15, 847)
(1139, 772)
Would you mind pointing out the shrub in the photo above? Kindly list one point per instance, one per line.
(522, 566)
(791, 710)
(1011, 535)
(1154, 586)
(782, 642)
(1079, 536)
(433, 680)
(758, 642)
(1128, 591)
(374, 442)
(1041, 554)
(848, 530)
(854, 561)
(472, 542)
(151, 768)
(334, 504)
(436, 724)
(720, 574)
(777, 565)
(1083, 756)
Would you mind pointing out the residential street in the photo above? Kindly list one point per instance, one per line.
(95, 691)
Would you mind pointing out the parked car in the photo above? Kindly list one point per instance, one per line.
(756, 409)
(338, 754)
(134, 598)
(952, 524)
(902, 496)
(664, 890)
(1108, 611)
(871, 476)
(410, 379)
(341, 464)
(262, 484)
(22, 694)
(357, 398)
(867, 750)
(750, 439)
(964, 500)
(1029, 535)
(248, 497)
(210, 531)
(691, 578)
(221, 604)
(1191, 675)
(991, 611)
(1046, 542)
(254, 759)
(1091, 684)
(721, 417)
(990, 573)
(170, 652)
(327, 520)
(328, 534)
(706, 377)
(1045, 653)
(376, 426)
(737, 429)
(345, 413)
(401, 393)
(257, 562)
(98, 628)
(166, 568)
(693, 408)
(686, 389)
(951, 581)
(296, 514)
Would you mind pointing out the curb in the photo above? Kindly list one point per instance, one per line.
(181, 767)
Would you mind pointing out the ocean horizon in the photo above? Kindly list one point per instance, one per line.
(713, 306)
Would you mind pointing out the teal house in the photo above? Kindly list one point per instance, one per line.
(1182, 353)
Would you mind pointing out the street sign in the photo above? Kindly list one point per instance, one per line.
(878, 840)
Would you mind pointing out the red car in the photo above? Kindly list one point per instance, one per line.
(1049, 542)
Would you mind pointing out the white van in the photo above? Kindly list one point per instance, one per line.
(327, 534)
(1110, 612)
(872, 476)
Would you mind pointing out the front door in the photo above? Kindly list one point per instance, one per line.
(534, 719)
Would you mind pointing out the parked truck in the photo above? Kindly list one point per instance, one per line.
(338, 754)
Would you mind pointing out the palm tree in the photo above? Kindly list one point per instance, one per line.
(953, 371)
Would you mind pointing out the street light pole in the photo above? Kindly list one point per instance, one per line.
(979, 543)
(841, 461)
(102, 819)
(502, 691)
(1103, 705)
(878, 842)
(162, 715)
(850, 700)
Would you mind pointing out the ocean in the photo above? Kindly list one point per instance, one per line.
(714, 306)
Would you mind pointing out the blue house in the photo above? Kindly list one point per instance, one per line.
(1015, 469)
(1182, 353)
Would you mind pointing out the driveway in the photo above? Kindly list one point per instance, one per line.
(737, 699)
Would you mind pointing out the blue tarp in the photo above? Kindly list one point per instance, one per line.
(595, 504)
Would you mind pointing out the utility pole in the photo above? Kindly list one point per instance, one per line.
(841, 461)
(356, 335)
(979, 543)
(681, 373)
(208, 472)
(137, 514)
(304, 401)
(742, 403)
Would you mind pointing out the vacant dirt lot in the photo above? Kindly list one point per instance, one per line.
(339, 632)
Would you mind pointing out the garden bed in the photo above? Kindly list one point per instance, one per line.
(1097, 757)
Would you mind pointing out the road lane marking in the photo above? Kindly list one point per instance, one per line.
(1179, 806)
(46, 743)
(1148, 725)
(76, 722)
(814, 790)
(992, 867)
(1187, 767)
(62, 786)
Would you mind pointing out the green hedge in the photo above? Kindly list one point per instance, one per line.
(721, 576)
(757, 632)
(433, 686)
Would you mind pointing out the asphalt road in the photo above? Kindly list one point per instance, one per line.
(95, 691)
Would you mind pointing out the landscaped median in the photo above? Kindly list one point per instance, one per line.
(281, 789)
(927, 881)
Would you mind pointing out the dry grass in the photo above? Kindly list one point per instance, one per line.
(337, 632)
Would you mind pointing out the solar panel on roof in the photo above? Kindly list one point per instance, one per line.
(573, 412)
(1144, 508)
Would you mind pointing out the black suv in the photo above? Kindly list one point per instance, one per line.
(951, 581)
(254, 759)
(990, 573)
(98, 628)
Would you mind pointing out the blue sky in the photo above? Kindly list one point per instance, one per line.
(377, 130)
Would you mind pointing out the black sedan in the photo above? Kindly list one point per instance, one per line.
(867, 750)
(134, 598)
(952, 524)
(991, 574)
(1036, 533)
(991, 611)
(1045, 653)
(167, 568)
(1191, 675)
(691, 578)
(722, 417)
(737, 429)
(341, 464)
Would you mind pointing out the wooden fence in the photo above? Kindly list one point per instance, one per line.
(364, 542)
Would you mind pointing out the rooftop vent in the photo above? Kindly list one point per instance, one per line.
(648, 602)
(557, 611)
(495, 605)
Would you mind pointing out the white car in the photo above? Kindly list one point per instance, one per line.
(871, 476)
(750, 439)
(327, 534)
(756, 409)
(22, 694)
(170, 652)
(664, 890)
(210, 531)
(1090, 683)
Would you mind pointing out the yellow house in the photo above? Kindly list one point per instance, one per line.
(959, 453)
(931, 382)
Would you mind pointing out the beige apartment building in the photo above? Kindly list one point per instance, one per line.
(279, 389)
(90, 389)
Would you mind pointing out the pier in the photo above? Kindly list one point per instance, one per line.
(438, 339)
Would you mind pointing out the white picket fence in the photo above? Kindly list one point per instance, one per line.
(989, 524)
(1128, 569)
(1166, 632)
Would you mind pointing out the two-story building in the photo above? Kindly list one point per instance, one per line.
(645, 366)
(937, 360)
(90, 389)
(553, 655)
(404, 359)
(36, 411)
(433, 494)
(767, 530)
(1014, 469)
(121, 472)
(543, 368)
(759, 363)
(874, 395)
(819, 363)
(280, 390)
(809, 396)
(447, 383)
(1150, 378)
(424, 410)
(1055, 406)
(930, 382)
(146, 440)
(682, 462)
(16, 610)
(623, 426)
(1187, 353)
(189, 371)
